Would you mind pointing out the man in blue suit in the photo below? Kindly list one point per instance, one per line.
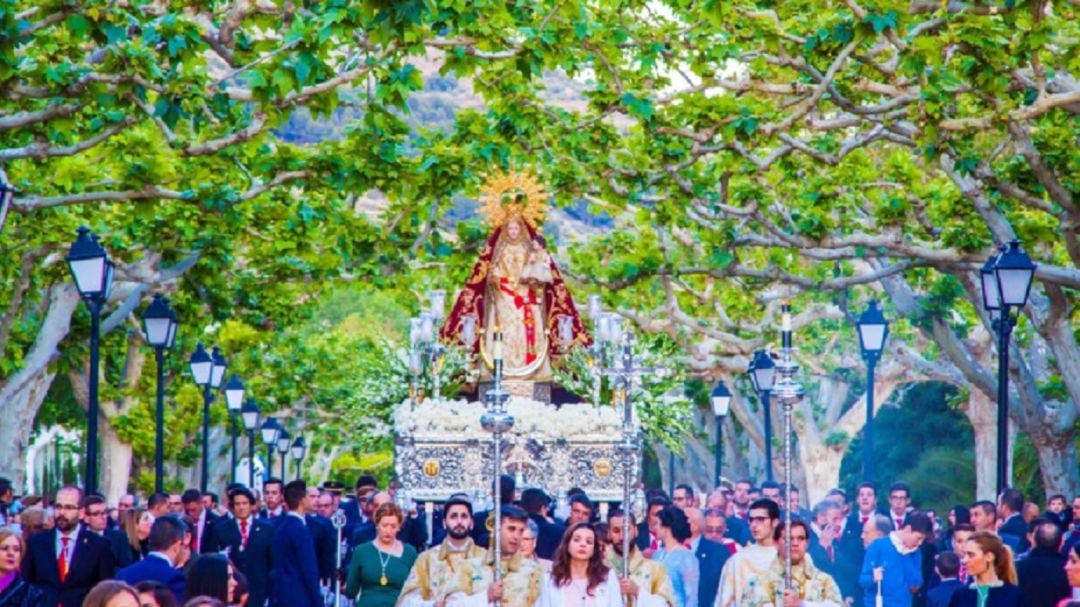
(166, 544)
(947, 565)
(711, 557)
(247, 540)
(294, 578)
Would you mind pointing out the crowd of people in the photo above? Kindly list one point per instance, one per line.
(726, 548)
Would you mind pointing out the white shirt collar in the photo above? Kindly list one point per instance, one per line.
(299, 516)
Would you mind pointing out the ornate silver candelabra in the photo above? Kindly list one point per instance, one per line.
(624, 374)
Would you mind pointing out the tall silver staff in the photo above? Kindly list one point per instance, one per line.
(497, 421)
(338, 520)
(624, 374)
(788, 392)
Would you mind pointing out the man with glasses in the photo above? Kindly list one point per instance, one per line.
(899, 500)
(95, 517)
(740, 582)
(67, 561)
(176, 503)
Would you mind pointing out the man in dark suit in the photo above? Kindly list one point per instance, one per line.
(735, 528)
(67, 561)
(325, 537)
(947, 565)
(295, 573)
(1010, 509)
(1042, 572)
(828, 550)
(646, 539)
(247, 539)
(353, 508)
(481, 534)
(535, 503)
(710, 555)
(95, 517)
(166, 545)
(272, 495)
(203, 518)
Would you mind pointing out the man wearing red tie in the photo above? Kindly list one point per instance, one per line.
(203, 518)
(899, 500)
(247, 540)
(865, 508)
(68, 560)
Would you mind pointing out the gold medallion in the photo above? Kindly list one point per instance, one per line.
(383, 581)
(431, 468)
(602, 467)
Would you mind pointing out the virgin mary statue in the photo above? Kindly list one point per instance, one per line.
(515, 291)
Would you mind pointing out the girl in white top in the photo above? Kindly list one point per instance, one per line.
(579, 577)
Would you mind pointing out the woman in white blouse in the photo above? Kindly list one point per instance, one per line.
(579, 577)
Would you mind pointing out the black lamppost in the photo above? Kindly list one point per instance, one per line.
(92, 270)
(298, 451)
(720, 398)
(1006, 285)
(762, 372)
(873, 329)
(250, 414)
(283, 443)
(234, 401)
(207, 370)
(159, 325)
(270, 430)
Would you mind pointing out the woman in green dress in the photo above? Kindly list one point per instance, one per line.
(379, 568)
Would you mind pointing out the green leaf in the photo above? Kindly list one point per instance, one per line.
(640, 107)
(284, 81)
(881, 22)
(79, 25)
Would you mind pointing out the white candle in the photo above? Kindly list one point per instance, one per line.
(497, 346)
(437, 297)
(604, 328)
(566, 328)
(468, 329)
(427, 328)
(616, 329)
(594, 307)
(786, 320)
(414, 331)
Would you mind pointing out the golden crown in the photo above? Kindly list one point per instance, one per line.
(509, 193)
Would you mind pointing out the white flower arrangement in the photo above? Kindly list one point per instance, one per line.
(534, 419)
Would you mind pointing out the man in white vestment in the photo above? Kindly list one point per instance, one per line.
(742, 581)
(444, 569)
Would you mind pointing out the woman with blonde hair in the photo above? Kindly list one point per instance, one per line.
(379, 568)
(14, 590)
(990, 563)
(136, 523)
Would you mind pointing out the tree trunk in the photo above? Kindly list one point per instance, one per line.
(1057, 462)
(981, 411)
(116, 459)
(21, 394)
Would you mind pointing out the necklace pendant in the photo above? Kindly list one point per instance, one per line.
(383, 581)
